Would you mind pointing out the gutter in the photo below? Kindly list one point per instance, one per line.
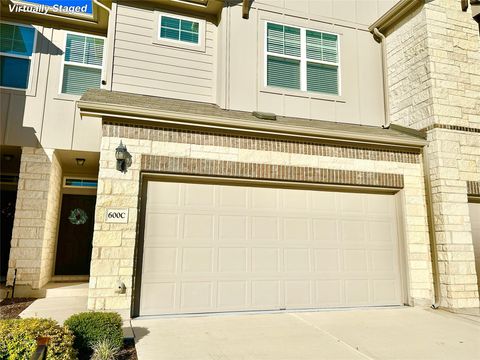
(88, 108)
(386, 98)
(398, 11)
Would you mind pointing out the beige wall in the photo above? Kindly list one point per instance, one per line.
(241, 67)
(144, 67)
(40, 114)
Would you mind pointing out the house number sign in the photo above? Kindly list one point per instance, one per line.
(118, 216)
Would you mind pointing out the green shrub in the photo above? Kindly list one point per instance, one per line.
(18, 339)
(104, 350)
(90, 328)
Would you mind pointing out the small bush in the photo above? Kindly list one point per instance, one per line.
(18, 339)
(90, 328)
(104, 350)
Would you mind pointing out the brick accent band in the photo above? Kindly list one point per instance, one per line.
(192, 166)
(473, 188)
(144, 132)
(451, 127)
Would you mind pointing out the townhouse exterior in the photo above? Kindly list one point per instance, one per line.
(208, 156)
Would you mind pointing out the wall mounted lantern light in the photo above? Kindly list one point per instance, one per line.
(124, 159)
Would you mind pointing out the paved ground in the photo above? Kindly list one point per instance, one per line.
(59, 309)
(395, 333)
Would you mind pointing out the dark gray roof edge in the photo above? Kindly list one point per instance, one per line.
(191, 113)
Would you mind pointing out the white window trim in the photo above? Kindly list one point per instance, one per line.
(302, 58)
(200, 46)
(72, 63)
(31, 57)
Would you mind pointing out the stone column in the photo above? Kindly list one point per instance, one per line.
(37, 211)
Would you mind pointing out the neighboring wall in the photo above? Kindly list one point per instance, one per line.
(241, 60)
(142, 66)
(434, 73)
(41, 114)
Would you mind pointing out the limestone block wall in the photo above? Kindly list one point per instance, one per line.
(433, 58)
(113, 254)
(434, 85)
(455, 159)
(36, 217)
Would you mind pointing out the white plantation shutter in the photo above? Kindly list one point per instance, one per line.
(284, 59)
(82, 64)
(77, 80)
(281, 71)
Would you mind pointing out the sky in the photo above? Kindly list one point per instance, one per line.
(64, 3)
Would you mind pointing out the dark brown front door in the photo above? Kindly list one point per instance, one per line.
(74, 247)
(7, 210)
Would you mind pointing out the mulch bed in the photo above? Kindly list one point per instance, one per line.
(11, 308)
(128, 352)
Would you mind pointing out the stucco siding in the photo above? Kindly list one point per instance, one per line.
(144, 67)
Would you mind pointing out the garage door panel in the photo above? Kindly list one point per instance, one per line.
(266, 294)
(232, 295)
(296, 229)
(232, 228)
(197, 195)
(325, 230)
(232, 197)
(162, 225)
(298, 294)
(352, 231)
(232, 260)
(296, 260)
(211, 248)
(357, 292)
(198, 226)
(385, 292)
(196, 296)
(265, 260)
(327, 260)
(264, 229)
(329, 293)
(163, 301)
(197, 260)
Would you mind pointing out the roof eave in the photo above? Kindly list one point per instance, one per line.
(392, 16)
(89, 108)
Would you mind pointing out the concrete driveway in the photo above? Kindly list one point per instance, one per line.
(389, 333)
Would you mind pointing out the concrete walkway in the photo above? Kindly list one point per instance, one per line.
(392, 333)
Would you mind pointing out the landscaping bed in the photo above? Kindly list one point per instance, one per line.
(11, 308)
(83, 336)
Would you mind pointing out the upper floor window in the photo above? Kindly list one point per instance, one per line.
(82, 65)
(17, 43)
(302, 59)
(179, 29)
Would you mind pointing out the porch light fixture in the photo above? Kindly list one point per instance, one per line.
(124, 159)
(80, 161)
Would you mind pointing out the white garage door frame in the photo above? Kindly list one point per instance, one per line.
(210, 180)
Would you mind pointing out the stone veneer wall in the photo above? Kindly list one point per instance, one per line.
(36, 217)
(434, 85)
(114, 244)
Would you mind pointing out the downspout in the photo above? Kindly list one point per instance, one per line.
(386, 101)
(431, 230)
(426, 175)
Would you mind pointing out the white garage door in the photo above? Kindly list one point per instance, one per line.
(214, 248)
(475, 220)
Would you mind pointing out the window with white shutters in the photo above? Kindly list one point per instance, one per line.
(302, 59)
(82, 66)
